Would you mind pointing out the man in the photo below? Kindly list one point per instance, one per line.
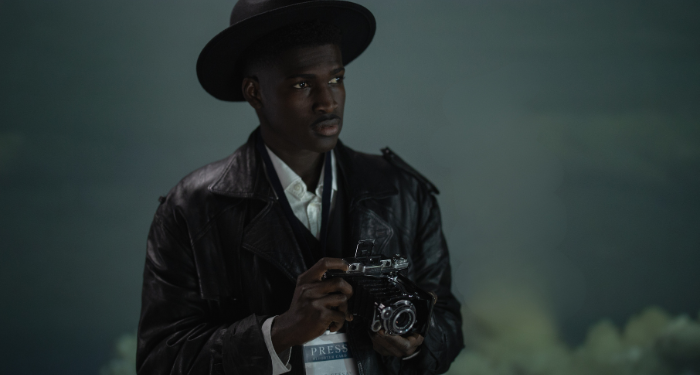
(233, 282)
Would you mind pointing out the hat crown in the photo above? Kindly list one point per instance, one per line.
(245, 9)
(253, 19)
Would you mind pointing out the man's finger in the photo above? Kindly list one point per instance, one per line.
(415, 340)
(386, 345)
(335, 285)
(337, 302)
(379, 348)
(334, 327)
(400, 346)
(394, 340)
(320, 289)
(334, 300)
(336, 317)
(315, 273)
(343, 307)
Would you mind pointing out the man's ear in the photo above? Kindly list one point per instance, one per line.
(251, 91)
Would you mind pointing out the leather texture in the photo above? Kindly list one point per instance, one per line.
(221, 258)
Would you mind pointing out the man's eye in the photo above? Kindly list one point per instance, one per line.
(337, 79)
(301, 85)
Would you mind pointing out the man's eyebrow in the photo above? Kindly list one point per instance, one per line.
(310, 76)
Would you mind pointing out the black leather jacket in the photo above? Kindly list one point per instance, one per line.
(222, 258)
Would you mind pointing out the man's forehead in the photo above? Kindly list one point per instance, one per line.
(310, 58)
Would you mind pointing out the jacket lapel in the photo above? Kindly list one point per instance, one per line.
(368, 225)
(268, 234)
(366, 178)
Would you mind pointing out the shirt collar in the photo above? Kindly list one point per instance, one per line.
(292, 183)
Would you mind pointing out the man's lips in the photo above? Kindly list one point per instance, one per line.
(327, 125)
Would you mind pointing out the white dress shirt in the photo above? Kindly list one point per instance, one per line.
(306, 206)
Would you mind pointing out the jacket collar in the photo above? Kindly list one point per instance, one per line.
(244, 175)
(364, 176)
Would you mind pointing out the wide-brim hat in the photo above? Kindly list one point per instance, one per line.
(253, 19)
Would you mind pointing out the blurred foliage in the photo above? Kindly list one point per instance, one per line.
(522, 340)
(124, 360)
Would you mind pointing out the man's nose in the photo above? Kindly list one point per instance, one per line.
(325, 99)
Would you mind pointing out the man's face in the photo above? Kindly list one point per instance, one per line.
(302, 99)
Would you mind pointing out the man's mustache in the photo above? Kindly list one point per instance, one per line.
(323, 118)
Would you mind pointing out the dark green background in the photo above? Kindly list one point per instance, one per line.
(564, 135)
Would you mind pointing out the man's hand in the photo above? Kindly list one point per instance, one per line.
(396, 346)
(317, 306)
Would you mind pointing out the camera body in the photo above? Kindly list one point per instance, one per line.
(382, 296)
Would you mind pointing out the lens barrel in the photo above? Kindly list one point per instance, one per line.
(398, 318)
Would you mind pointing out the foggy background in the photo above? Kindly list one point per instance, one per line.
(563, 135)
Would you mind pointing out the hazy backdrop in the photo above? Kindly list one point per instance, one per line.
(563, 135)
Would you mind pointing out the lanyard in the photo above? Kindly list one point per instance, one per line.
(310, 259)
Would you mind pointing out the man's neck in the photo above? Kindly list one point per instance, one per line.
(306, 164)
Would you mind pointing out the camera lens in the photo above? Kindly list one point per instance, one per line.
(403, 317)
(402, 321)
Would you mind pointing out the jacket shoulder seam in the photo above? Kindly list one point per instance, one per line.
(396, 161)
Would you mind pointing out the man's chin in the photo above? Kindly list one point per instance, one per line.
(325, 144)
(326, 137)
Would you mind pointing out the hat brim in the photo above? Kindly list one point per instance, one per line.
(216, 66)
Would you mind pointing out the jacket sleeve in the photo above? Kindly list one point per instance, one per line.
(432, 272)
(181, 333)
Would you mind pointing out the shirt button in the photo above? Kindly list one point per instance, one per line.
(297, 188)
